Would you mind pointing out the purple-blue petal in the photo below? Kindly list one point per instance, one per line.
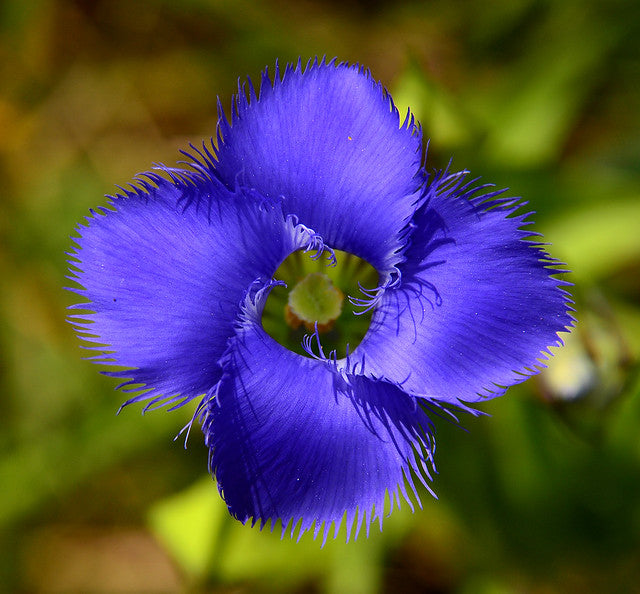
(164, 271)
(478, 303)
(175, 274)
(329, 143)
(292, 439)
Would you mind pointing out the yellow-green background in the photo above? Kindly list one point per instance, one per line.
(541, 96)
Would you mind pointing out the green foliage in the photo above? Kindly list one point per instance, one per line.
(537, 95)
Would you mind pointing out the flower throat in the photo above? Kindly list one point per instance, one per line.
(316, 295)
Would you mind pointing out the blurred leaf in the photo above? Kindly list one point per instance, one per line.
(189, 525)
(441, 116)
(542, 99)
(596, 240)
(196, 528)
(51, 466)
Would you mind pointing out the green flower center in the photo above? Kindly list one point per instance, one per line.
(314, 300)
(315, 295)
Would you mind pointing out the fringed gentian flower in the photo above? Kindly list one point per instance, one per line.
(179, 272)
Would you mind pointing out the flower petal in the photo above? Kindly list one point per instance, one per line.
(477, 303)
(165, 271)
(292, 439)
(328, 142)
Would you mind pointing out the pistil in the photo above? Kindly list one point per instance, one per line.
(314, 300)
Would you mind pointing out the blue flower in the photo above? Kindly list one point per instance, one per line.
(176, 272)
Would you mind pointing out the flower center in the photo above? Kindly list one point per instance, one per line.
(314, 300)
(315, 296)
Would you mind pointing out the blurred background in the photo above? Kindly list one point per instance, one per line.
(536, 95)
